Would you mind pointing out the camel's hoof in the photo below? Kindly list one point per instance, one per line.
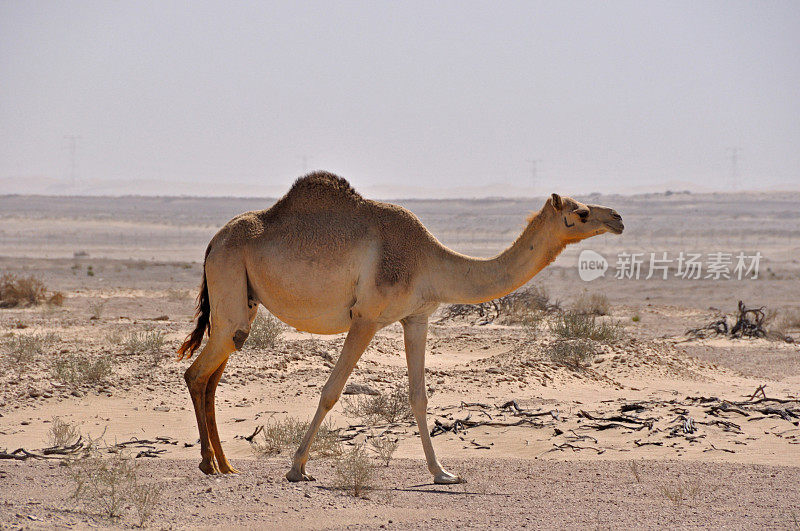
(295, 475)
(208, 467)
(227, 470)
(446, 478)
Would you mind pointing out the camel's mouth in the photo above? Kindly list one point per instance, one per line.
(615, 226)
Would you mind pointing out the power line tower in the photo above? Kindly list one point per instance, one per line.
(534, 172)
(72, 148)
(734, 172)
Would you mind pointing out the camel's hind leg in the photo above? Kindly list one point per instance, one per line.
(230, 324)
(211, 422)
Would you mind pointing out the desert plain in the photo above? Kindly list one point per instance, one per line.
(651, 427)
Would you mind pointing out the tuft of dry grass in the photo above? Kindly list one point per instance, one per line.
(56, 299)
(62, 433)
(278, 436)
(384, 448)
(353, 471)
(389, 407)
(78, 370)
(97, 308)
(518, 306)
(264, 332)
(572, 325)
(680, 491)
(112, 484)
(574, 354)
(591, 304)
(176, 294)
(147, 343)
(21, 291)
(22, 350)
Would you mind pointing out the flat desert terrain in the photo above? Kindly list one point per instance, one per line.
(645, 427)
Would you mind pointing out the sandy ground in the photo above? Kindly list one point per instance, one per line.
(738, 467)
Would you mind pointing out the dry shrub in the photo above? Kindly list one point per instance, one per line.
(286, 434)
(572, 325)
(77, 370)
(264, 332)
(573, 354)
(147, 343)
(680, 491)
(175, 294)
(62, 433)
(111, 484)
(353, 471)
(513, 308)
(21, 291)
(56, 299)
(96, 309)
(592, 304)
(518, 306)
(23, 350)
(389, 408)
(384, 448)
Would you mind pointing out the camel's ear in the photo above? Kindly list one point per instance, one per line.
(555, 199)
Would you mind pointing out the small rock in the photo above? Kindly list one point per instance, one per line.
(163, 409)
(77, 393)
(360, 389)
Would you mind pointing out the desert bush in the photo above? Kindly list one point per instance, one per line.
(111, 484)
(77, 370)
(148, 343)
(385, 407)
(22, 350)
(286, 434)
(145, 499)
(513, 308)
(516, 307)
(175, 294)
(384, 448)
(103, 483)
(21, 291)
(62, 433)
(571, 325)
(353, 471)
(591, 304)
(96, 309)
(56, 299)
(573, 354)
(264, 332)
(680, 491)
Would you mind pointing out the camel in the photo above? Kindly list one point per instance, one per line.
(323, 259)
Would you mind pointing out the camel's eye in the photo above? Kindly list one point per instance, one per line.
(584, 215)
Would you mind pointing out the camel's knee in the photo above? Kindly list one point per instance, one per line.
(193, 381)
(328, 398)
(239, 337)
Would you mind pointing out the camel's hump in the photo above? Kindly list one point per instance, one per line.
(321, 188)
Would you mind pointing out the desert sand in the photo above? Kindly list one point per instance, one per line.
(605, 445)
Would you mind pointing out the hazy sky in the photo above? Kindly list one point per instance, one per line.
(606, 95)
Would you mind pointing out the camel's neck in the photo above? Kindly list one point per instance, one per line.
(463, 279)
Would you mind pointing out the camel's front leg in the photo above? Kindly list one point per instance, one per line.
(415, 331)
(359, 336)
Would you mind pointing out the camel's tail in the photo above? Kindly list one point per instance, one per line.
(203, 315)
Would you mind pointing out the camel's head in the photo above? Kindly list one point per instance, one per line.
(577, 221)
